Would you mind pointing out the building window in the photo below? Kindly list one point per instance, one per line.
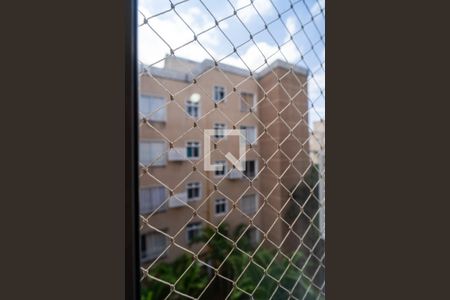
(193, 191)
(151, 198)
(221, 206)
(249, 134)
(253, 236)
(152, 245)
(247, 101)
(152, 108)
(250, 168)
(219, 93)
(193, 149)
(221, 168)
(152, 153)
(219, 130)
(193, 108)
(248, 204)
(193, 230)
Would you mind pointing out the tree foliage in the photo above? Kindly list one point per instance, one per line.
(258, 276)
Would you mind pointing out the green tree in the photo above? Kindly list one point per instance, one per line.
(261, 276)
(222, 255)
(234, 264)
(192, 282)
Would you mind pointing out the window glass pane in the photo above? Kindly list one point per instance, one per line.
(192, 108)
(153, 108)
(193, 149)
(152, 153)
(250, 170)
(157, 153)
(221, 206)
(144, 153)
(219, 93)
(193, 230)
(221, 168)
(193, 190)
(248, 204)
(251, 135)
(219, 130)
(151, 198)
(195, 152)
(152, 245)
(246, 101)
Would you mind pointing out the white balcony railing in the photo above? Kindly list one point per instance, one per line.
(235, 174)
(177, 154)
(178, 200)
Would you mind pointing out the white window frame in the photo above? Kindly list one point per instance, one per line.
(199, 190)
(197, 225)
(253, 101)
(224, 93)
(225, 168)
(188, 102)
(162, 207)
(255, 196)
(154, 162)
(199, 150)
(215, 130)
(163, 108)
(225, 202)
(256, 167)
(256, 133)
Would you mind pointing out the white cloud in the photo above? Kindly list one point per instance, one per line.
(315, 9)
(174, 33)
(315, 86)
(254, 56)
(247, 14)
(152, 49)
(292, 25)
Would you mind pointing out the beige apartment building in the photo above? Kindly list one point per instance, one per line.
(178, 197)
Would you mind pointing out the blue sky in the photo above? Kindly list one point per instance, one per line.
(175, 33)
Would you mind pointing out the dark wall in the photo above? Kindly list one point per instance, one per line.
(64, 188)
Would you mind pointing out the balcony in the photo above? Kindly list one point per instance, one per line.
(178, 200)
(235, 174)
(177, 154)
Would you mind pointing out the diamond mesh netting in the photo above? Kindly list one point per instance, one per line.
(232, 149)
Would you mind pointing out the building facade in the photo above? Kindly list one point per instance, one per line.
(178, 197)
